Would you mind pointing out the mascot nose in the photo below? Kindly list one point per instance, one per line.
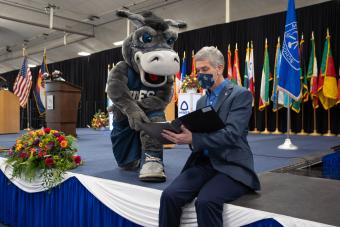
(160, 56)
(160, 62)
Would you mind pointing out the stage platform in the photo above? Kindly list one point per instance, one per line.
(291, 200)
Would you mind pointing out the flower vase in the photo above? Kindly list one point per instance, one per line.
(191, 90)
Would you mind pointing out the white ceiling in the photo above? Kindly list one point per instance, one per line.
(25, 22)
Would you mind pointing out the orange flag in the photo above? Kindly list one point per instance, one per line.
(236, 69)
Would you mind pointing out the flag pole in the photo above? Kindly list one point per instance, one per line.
(255, 128)
(315, 133)
(28, 100)
(288, 145)
(265, 122)
(302, 132)
(329, 133)
(276, 132)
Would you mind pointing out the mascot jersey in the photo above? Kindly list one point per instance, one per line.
(123, 138)
(138, 90)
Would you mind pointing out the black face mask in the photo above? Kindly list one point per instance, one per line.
(206, 80)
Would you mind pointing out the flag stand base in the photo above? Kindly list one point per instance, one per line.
(276, 132)
(265, 131)
(168, 146)
(302, 133)
(329, 133)
(287, 145)
(255, 131)
(315, 133)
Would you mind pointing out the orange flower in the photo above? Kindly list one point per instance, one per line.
(41, 132)
(63, 143)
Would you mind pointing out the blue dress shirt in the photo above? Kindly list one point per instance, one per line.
(212, 99)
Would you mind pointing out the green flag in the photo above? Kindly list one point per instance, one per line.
(264, 91)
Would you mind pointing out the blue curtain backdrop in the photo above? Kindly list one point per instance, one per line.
(69, 204)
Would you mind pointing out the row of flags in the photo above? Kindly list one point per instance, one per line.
(290, 79)
(23, 84)
(322, 87)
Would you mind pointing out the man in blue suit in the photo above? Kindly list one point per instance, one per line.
(221, 167)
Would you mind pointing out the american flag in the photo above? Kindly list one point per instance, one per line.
(23, 83)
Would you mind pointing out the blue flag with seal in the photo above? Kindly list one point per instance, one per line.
(289, 81)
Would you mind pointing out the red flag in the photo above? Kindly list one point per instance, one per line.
(327, 84)
(313, 74)
(236, 68)
(193, 64)
(338, 89)
(230, 70)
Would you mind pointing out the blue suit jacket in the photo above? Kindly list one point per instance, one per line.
(229, 151)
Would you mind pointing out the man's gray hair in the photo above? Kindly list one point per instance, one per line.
(212, 54)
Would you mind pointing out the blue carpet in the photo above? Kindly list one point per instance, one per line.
(95, 149)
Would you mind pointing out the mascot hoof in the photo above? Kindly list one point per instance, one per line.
(152, 171)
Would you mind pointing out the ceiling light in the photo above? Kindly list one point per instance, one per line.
(32, 65)
(82, 53)
(118, 43)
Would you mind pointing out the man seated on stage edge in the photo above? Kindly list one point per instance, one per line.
(220, 168)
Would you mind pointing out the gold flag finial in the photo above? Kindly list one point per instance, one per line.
(328, 33)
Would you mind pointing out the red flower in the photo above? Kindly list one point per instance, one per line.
(40, 154)
(49, 162)
(77, 159)
(23, 155)
(61, 138)
(47, 130)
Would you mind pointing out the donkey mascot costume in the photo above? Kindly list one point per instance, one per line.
(140, 88)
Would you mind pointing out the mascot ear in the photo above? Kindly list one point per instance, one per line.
(175, 23)
(137, 20)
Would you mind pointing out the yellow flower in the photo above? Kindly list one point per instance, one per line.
(41, 144)
(63, 143)
(18, 146)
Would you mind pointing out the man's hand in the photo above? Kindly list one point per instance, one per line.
(185, 137)
(136, 118)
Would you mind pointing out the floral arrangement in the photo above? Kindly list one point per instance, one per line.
(190, 82)
(56, 75)
(45, 153)
(100, 120)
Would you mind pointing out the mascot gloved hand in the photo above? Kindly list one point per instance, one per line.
(140, 88)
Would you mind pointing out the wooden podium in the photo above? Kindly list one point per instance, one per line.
(62, 100)
(9, 112)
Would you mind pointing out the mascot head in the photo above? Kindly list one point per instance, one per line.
(149, 49)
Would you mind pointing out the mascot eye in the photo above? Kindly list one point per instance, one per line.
(171, 41)
(146, 38)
